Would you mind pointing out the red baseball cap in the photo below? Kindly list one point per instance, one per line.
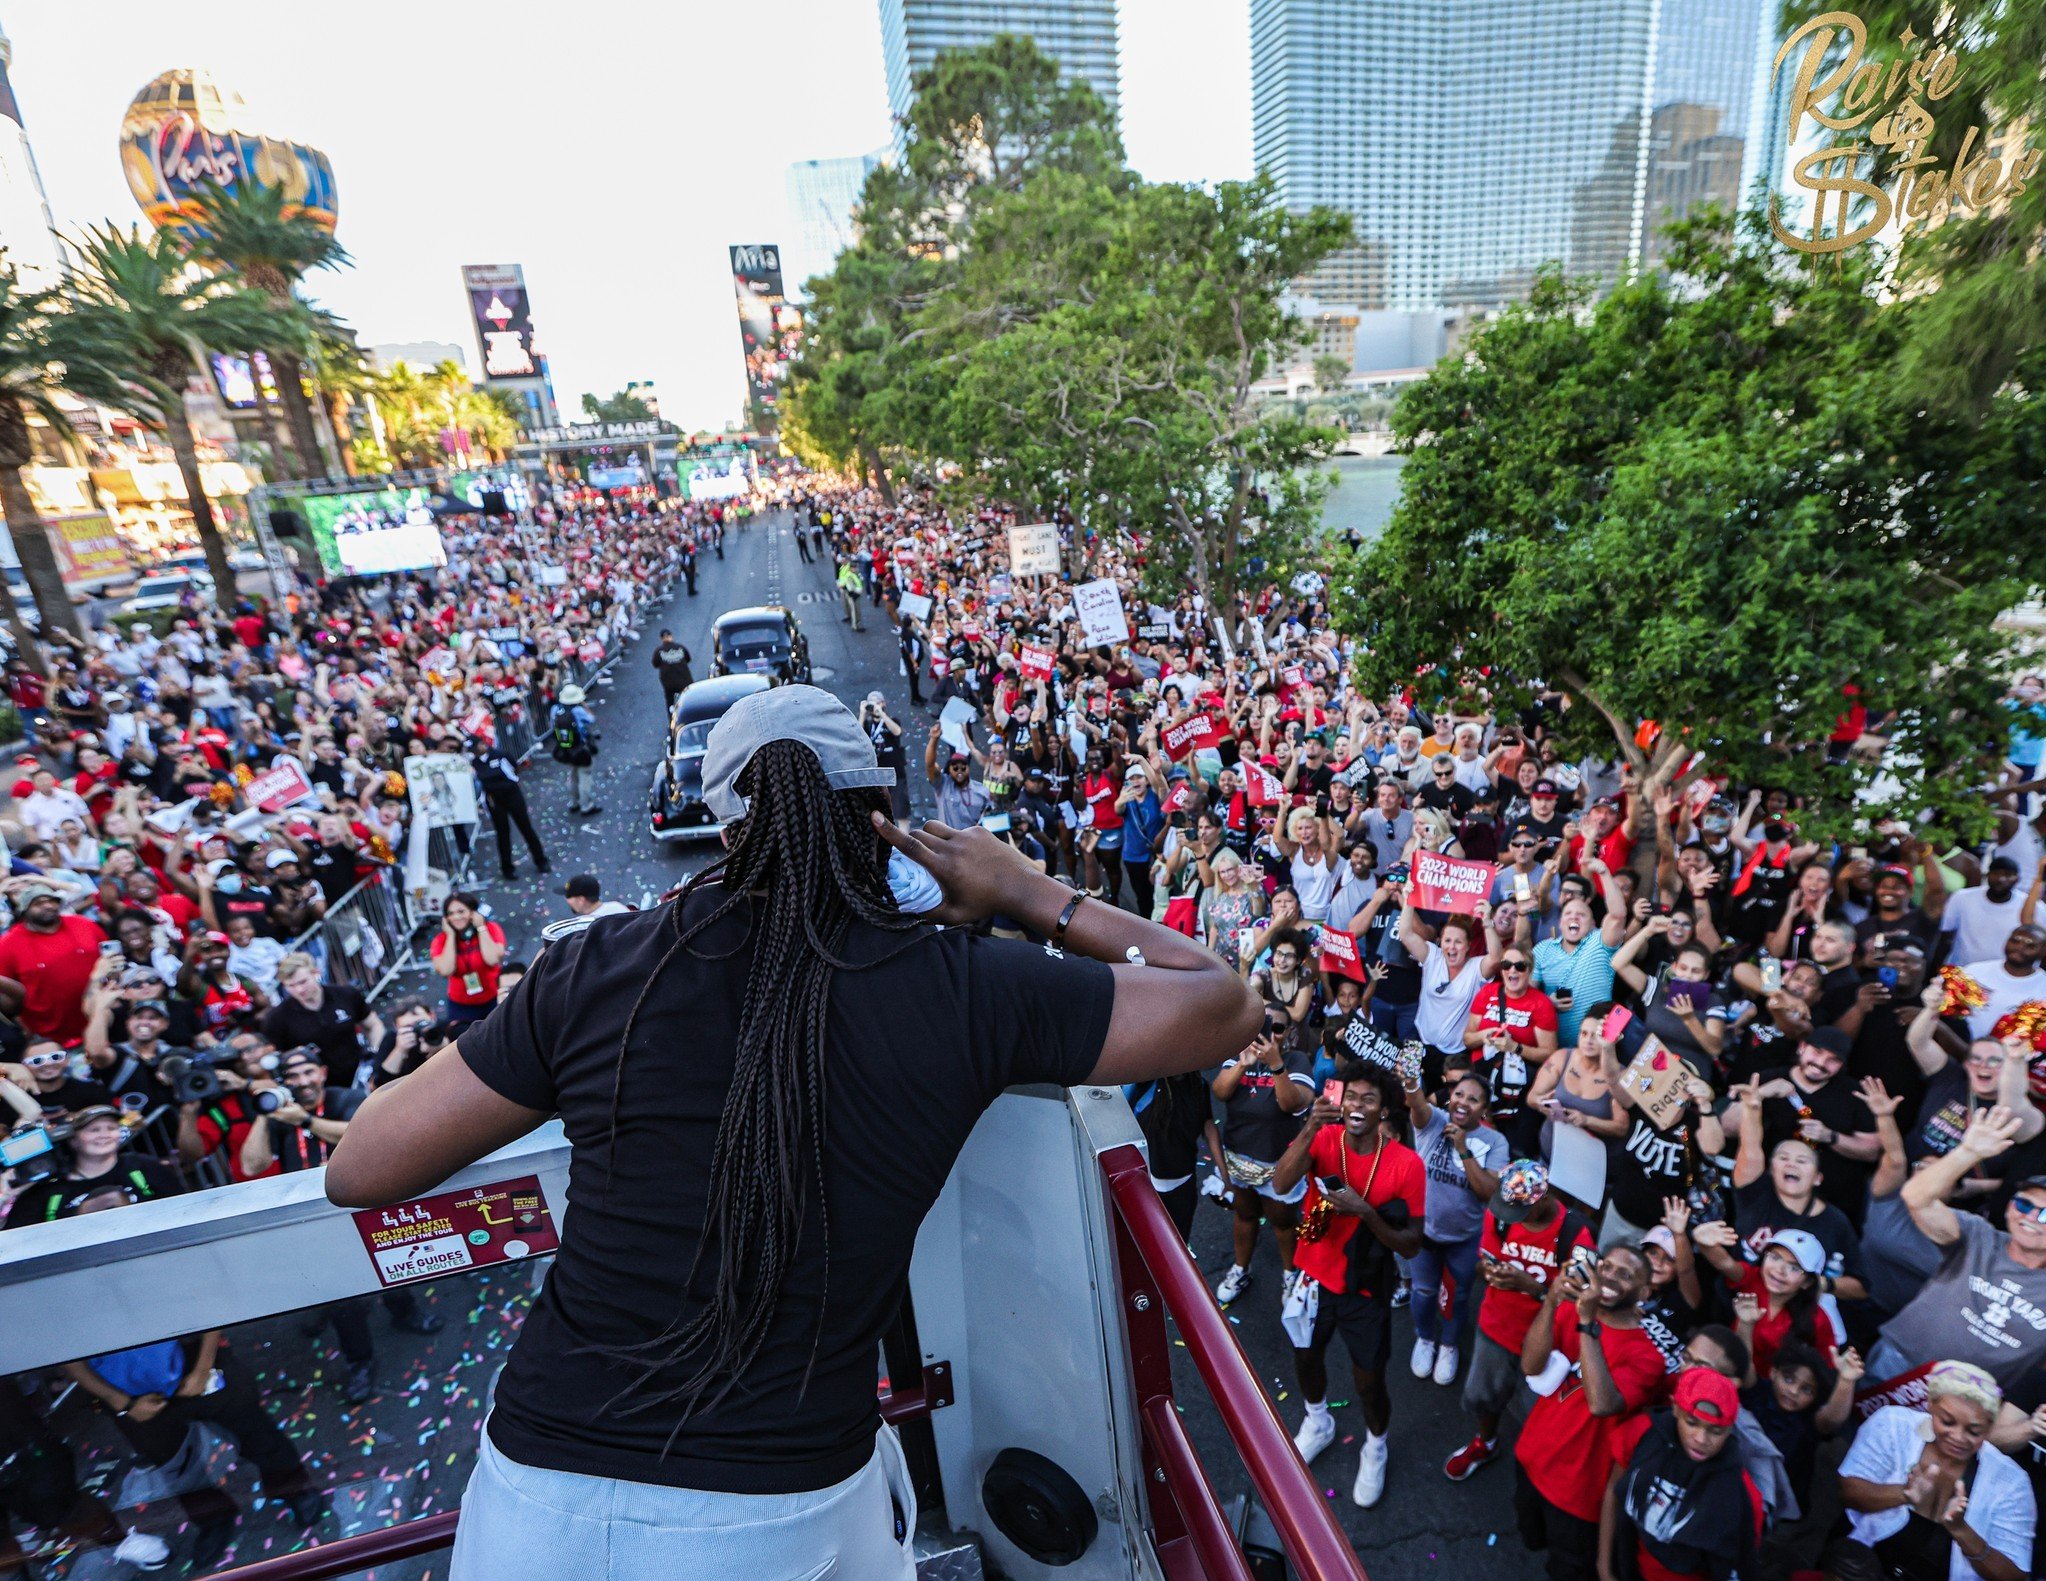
(1709, 1396)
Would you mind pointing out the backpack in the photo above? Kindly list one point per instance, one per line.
(571, 743)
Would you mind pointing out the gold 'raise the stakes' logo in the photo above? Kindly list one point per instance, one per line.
(1890, 105)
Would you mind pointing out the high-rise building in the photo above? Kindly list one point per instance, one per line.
(1473, 141)
(27, 232)
(1078, 34)
(822, 195)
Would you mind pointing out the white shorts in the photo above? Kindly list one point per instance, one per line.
(522, 1523)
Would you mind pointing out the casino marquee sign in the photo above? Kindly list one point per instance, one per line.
(1880, 166)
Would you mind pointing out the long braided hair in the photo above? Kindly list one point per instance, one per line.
(805, 863)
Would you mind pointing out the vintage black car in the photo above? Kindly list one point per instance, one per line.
(677, 810)
(763, 640)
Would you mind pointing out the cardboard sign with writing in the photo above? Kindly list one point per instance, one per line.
(1451, 883)
(970, 630)
(1099, 604)
(1034, 549)
(1655, 1079)
(916, 606)
(1035, 662)
(1339, 954)
(1261, 788)
(1155, 631)
(444, 1234)
(273, 790)
(1189, 735)
(1179, 798)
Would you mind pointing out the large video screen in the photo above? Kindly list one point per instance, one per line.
(374, 531)
(770, 329)
(725, 478)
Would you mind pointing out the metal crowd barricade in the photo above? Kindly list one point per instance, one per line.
(365, 939)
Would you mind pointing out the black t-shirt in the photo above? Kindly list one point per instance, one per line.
(1171, 1113)
(918, 1043)
(1452, 797)
(130, 1073)
(1253, 1124)
(1837, 1106)
(1837, 992)
(251, 901)
(144, 1178)
(289, 1024)
(1759, 1213)
(1648, 1165)
(296, 1147)
(332, 867)
(71, 1095)
(1880, 1050)
(2028, 1393)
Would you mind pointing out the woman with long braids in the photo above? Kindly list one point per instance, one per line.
(764, 1082)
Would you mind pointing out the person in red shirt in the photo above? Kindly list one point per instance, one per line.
(1605, 833)
(1512, 1029)
(46, 962)
(1527, 1237)
(1588, 1359)
(1366, 1195)
(1681, 1505)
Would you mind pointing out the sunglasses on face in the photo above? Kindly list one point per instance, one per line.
(1513, 966)
(2029, 1208)
(35, 1060)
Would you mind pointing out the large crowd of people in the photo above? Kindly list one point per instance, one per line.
(1707, 1151)
(1703, 1154)
(174, 1014)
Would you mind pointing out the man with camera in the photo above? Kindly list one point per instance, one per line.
(128, 1068)
(300, 1131)
(217, 1103)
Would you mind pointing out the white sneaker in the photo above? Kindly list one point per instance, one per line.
(1315, 1435)
(1370, 1486)
(1423, 1362)
(1233, 1284)
(144, 1551)
(1445, 1365)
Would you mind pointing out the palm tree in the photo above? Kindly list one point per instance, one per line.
(138, 305)
(339, 376)
(32, 350)
(253, 231)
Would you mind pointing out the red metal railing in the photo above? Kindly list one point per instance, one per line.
(1159, 1276)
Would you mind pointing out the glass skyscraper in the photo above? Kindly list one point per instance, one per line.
(1474, 140)
(1078, 34)
(822, 195)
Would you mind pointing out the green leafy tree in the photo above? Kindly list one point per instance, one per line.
(1329, 373)
(624, 407)
(1135, 323)
(254, 233)
(137, 305)
(982, 123)
(1707, 501)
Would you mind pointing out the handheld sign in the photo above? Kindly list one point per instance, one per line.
(1339, 954)
(277, 788)
(1189, 735)
(1367, 1043)
(917, 606)
(1656, 1078)
(1099, 606)
(1034, 549)
(1450, 883)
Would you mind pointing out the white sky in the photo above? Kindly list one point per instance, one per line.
(613, 147)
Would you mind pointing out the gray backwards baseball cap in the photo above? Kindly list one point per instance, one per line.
(806, 714)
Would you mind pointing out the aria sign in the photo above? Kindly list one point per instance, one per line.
(1888, 105)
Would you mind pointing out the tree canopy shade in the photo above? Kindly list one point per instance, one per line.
(1708, 501)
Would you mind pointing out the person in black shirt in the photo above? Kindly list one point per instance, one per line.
(671, 664)
(300, 1133)
(129, 1066)
(498, 776)
(96, 1160)
(632, 1032)
(1444, 792)
(1814, 1097)
(45, 1075)
(332, 1016)
(226, 891)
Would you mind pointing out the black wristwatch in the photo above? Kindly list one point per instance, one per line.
(1591, 1328)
